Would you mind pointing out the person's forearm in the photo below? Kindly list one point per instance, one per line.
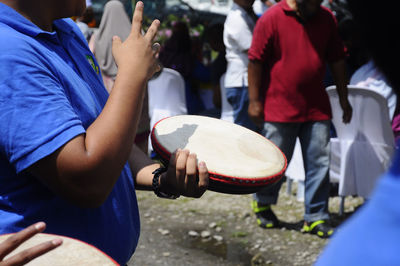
(255, 109)
(109, 139)
(254, 76)
(112, 134)
(338, 70)
(142, 168)
(339, 74)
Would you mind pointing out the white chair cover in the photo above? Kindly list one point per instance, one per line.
(295, 172)
(226, 107)
(364, 147)
(167, 97)
(295, 169)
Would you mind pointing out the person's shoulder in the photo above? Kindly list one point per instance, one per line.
(272, 13)
(13, 41)
(326, 12)
(276, 8)
(234, 13)
(234, 19)
(71, 26)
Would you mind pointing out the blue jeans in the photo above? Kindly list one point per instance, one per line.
(238, 97)
(314, 140)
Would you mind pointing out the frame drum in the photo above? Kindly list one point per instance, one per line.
(239, 160)
(71, 252)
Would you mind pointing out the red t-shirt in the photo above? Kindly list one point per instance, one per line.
(295, 55)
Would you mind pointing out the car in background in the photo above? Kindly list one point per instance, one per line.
(212, 6)
(198, 13)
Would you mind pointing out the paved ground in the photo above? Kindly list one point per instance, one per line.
(219, 229)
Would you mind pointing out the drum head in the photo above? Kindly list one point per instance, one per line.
(239, 160)
(71, 252)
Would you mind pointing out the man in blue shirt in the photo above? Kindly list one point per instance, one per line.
(66, 146)
(371, 236)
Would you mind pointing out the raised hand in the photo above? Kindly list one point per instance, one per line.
(23, 257)
(137, 55)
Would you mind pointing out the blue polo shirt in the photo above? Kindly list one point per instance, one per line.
(372, 235)
(51, 91)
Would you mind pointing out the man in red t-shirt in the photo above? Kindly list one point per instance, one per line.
(291, 45)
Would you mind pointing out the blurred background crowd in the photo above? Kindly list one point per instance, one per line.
(193, 57)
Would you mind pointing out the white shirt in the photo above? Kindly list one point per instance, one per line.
(238, 32)
(368, 76)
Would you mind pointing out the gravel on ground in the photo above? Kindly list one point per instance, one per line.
(220, 229)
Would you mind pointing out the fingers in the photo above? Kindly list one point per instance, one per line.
(17, 239)
(203, 179)
(191, 175)
(347, 114)
(193, 180)
(116, 44)
(256, 112)
(180, 168)
(137, 19)
(184, 177)
(346, 118)
(27, 255)
(152, 30)
(156, 48)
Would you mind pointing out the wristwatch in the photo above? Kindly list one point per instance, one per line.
(156, 184)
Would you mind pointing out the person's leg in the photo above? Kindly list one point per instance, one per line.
(284, 136)
(238, 97)
(314, 139)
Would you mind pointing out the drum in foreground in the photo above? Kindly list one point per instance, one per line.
(239, 160)
(71, 252)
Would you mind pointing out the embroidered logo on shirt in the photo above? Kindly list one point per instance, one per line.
(91, 62)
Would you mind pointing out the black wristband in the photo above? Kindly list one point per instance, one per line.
(156, 184)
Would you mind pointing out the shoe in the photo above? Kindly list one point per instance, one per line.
(266, 218)
(319, 228)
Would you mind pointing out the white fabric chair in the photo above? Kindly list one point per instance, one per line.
(167, 97)
(364, 147)
(226, 107)
(295, 172)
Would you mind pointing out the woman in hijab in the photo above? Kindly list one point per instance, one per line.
(115, 21)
